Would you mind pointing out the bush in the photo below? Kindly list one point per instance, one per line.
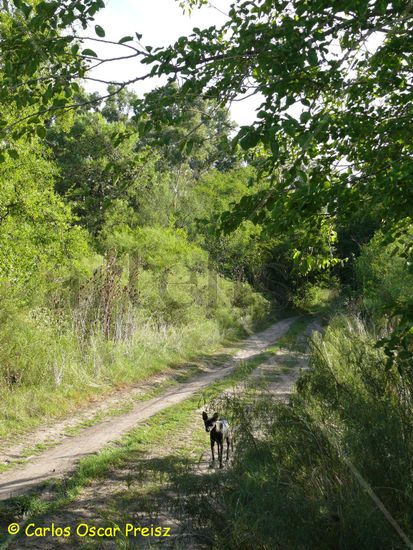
(149, 303)
(295, 482)
(316, 297)
(383, 276)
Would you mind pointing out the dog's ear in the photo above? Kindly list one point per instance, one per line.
(205, 416)
(215, 417)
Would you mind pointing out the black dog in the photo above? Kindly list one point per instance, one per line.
(219, 432)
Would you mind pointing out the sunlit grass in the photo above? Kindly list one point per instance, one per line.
(161, 427)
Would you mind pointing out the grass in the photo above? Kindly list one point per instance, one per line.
(293, 484)
(54, 363)
(174, 375)
(162, 426)
(318, 299)
(289, 339)
(26, 406)
(62, 402)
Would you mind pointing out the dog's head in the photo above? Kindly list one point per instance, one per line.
(210, 422)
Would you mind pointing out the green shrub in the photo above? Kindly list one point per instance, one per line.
(384, 278)
(295, 482)
(120, 319)
(316, 297)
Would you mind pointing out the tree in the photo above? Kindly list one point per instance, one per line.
(333, 131)
(43, 58)
(195, 132)
(118, 107)
(97, 168)
(333, 134)
(39, 242)
(334, 125)
(352, 137)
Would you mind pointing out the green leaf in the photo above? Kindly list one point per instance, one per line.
(250, 139)
(100, 31)
(275, 149)
(13, 154)
(125, 39)
(312, 57)
(189, 145)
(89, 53)
(119, 138)
(289, 126)
(59, 102)
(305, 117)
(41, 131)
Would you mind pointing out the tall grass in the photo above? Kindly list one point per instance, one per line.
(302, 468)
(109, 331)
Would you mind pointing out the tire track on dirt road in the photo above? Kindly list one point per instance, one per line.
(62, 459)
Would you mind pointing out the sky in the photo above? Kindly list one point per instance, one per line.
(160, 22)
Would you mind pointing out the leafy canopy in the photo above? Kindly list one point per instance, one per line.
(333, 128)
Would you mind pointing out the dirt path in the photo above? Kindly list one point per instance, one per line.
(281, 385)
(152, 484)
(62, 458)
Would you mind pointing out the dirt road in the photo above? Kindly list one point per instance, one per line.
(62, 458)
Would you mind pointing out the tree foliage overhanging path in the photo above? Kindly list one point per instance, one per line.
(344, 67)
(113, 264)
(351, 140)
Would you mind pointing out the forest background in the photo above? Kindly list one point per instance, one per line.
(139, 231)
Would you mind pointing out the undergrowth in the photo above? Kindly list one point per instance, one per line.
(52, 362)
(296, 477)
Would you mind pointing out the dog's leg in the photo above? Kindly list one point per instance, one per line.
(212, 450)
(220, 447)
(228, 443)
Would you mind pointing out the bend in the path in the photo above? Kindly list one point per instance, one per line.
(62, 459)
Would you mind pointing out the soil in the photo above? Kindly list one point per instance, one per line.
(61, 459)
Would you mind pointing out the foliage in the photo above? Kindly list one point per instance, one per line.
(122, 324)
(334, 121)
(40, 61)
(316, 298)
(102, 281)
(95, 171)
(39, 243)
(384, 273)
(158, 248)
(386, 282)
(132, 230)
(236, 255)
(195, 132)
(333, 128)
(295, 478)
